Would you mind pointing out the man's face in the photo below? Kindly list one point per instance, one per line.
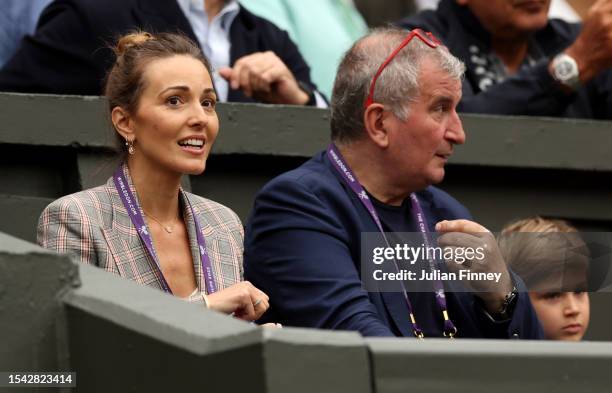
(508, 19)
(420, 146)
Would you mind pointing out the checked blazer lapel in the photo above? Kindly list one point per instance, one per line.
(131, 257)
(125, 245)
(224, 250)
(193, 240)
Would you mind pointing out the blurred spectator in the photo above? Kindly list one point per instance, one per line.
(548, 255)
(581, 7)
(18, 18)
(560, 9)
(521, 63)
(338, 25)
(381, 12)
(69, 52)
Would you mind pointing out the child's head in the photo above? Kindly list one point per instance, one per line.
(552, 259)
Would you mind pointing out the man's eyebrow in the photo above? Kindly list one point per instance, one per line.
(441, 99)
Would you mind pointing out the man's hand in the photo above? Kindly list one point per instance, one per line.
(592, 49)
(242, 299)
(464, 233)
(264, 77)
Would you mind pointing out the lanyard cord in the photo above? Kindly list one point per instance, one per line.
(131, 205)
(349, 177)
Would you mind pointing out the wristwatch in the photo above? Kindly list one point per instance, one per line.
(565, 71)
(507, 308)
(505, 311)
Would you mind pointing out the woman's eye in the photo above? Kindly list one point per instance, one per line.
(174, 100)
(209, 104)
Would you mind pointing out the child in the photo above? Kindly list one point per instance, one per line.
(552, 259)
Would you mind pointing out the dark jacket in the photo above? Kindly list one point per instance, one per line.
(69, 54)
(303, 248)
(532, 91)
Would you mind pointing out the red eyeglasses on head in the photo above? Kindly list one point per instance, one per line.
(429, 40)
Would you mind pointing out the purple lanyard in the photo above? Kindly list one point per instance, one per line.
(417, 212)
(131, 205)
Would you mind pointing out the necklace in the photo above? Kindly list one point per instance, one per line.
(166, 228)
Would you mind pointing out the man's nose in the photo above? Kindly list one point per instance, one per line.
(454, 132)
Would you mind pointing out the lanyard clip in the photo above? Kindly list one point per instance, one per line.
(450, 333)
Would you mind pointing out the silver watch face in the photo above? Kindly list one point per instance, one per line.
(565, 70)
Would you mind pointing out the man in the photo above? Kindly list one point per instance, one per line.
(304, 240)
(69, 54)
(521, 63)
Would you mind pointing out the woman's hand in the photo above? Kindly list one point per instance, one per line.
(242, 299)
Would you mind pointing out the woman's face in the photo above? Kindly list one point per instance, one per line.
(564, 315)
(175, 123)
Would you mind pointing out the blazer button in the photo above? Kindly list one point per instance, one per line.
(515, 336)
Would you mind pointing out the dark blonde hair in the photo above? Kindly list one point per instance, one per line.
(529, 245)
(124, 82)
(539, 224)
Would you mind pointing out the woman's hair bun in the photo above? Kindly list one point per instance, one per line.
(131, 40)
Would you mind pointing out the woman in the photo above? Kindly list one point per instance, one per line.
(141, 225)
(543, 253)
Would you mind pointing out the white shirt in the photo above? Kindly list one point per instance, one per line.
(213, 37)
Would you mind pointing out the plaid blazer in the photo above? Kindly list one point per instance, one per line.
(94, 227)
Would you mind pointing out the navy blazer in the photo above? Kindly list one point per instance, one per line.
(69, 54)
(303, 247)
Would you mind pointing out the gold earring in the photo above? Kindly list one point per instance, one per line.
(130, 146)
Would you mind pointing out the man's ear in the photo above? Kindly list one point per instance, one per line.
(375, 129)
(122, 122)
